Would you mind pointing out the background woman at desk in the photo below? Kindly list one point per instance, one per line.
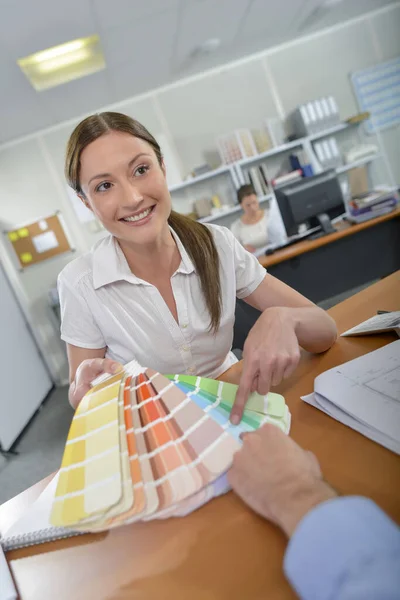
(162, 288)
(252, 228)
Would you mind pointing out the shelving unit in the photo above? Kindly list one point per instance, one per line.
(246, 162)
(232, 210)
(237, 171)
(331, 131)
(209, 175)
(357, 163)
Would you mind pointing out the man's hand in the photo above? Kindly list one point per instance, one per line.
(278, 479)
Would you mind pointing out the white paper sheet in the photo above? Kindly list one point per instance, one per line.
(364, 394)
(336, 413)
(376, 324)
(45, 241)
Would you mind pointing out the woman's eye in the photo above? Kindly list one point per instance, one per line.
(142, 170)
(103, 187)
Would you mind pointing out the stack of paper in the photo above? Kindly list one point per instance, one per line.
(365, 395)
(381, 323)
(143, 445)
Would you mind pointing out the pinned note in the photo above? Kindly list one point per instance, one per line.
(26, 258)
(45, 241)
(13, 236)
(23, 232)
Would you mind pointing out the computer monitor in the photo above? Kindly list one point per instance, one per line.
(312, 200)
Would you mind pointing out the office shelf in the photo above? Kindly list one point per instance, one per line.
(221, 215)
(209, 175)
(331, 131)
(232, 210)
(357, 163)
(295, 143)
(245, 162)
(265, 198)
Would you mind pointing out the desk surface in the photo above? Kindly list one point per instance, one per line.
(223, 550)
(343, 229)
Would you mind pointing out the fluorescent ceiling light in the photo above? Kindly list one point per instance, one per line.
(54, 66)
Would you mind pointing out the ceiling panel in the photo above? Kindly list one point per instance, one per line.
(141, 59)
(326, 16)
(120, 12)
(131, 79)
(28, 26)
(205, 19)
(77, 97)
(143, 43)
(274, 19)
(21, 109)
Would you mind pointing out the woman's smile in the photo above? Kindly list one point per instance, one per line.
(139, 218)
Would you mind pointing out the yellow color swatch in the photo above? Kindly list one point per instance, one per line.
(117, 513)
(90, 481)
(13, 236)
(23, 232)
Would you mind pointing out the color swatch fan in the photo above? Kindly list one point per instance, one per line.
(144, 445)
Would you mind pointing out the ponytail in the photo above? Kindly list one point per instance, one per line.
(199, 244)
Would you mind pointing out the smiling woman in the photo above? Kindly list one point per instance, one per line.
(133, 193)
(162, 288)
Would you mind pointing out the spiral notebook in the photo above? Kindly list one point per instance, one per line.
(34, 527)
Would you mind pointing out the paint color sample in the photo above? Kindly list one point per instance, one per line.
(90, 475)
(117, 513)
(154, 499)
(139, 498)
(271, 404)
(207, 438)
(144, 446)
(168, 461)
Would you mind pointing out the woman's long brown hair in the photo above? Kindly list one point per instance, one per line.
(196, 238)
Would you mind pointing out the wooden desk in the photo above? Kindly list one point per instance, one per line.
(330, 265)
(222, 551)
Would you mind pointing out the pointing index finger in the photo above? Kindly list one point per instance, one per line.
(242, 395)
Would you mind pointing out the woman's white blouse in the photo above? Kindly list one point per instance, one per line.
(103, 304)
(252, 235)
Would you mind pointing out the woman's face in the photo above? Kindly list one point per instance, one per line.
(125, 186)
(250, 205)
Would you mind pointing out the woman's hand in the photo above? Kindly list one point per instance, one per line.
(271, 353)
(87, 371)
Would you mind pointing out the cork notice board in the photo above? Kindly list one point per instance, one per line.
(39, 241)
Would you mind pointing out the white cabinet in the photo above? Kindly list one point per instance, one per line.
(24, 380)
